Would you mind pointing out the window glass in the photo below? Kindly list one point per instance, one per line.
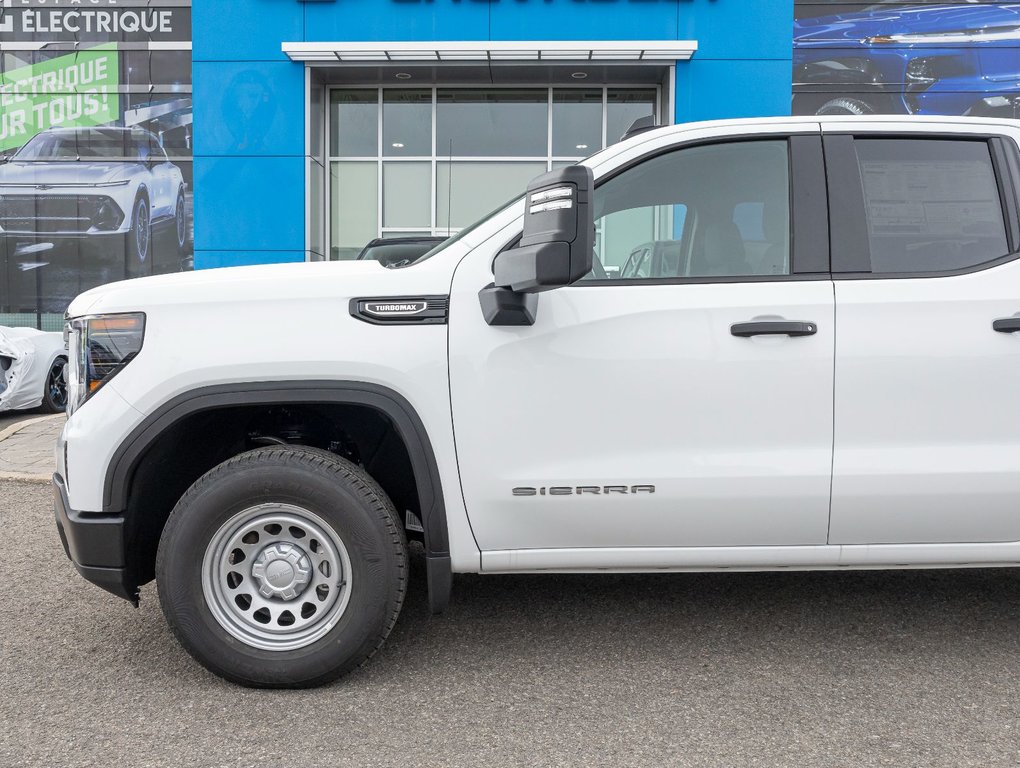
(576, 122)
(472, 189)
(407, 123)
(354, 123)
(391, 252)
(407, 199)
(500, 139)
(501, 123)
(316, 174)
(713, 211)
(354, 189)
(932, 204)
(84, 144)
(623, 107)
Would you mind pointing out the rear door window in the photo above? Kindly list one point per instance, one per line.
(932, 205)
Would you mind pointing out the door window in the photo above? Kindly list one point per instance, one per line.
(720, 210)
(932, 205)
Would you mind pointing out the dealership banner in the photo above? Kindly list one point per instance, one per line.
(84, 20)
(79, 89)
(95, 149)
(940, 57)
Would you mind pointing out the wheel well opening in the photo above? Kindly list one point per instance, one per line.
(192, 446)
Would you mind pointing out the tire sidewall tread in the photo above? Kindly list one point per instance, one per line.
(342, 494)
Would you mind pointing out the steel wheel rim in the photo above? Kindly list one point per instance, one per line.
(288, 590)
(56, 386)
(182, 233)
(142, 230)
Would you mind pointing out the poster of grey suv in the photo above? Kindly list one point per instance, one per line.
(91, 185)
(95, 149)
(941, 57)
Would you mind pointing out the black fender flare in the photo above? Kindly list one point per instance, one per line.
(121, 469)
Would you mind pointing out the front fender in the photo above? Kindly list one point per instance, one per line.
(409, 426)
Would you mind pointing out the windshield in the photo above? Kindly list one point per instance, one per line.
(75, 145)
(451, 240)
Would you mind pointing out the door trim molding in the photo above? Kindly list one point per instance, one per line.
(822, 557)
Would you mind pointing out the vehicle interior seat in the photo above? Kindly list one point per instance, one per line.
(719, 251)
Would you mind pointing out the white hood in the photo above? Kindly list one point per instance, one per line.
(265, 285)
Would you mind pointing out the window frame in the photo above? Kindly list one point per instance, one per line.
(850, 243)
(661, 109)
(809, 225)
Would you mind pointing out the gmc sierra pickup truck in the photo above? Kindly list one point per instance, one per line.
(817, 377)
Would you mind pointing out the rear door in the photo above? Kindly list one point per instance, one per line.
(927, 285)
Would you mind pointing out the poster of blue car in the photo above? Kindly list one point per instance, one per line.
(948, 57)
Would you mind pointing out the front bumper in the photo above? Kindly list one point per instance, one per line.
(94, 543)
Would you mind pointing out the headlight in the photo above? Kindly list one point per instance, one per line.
(112, 183)
(99, 347)
(992, 34)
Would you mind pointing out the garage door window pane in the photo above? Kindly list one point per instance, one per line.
(407, 201)
(932, 205)
(354, 189)
(354, 123)
(472, 190)
(492, 123)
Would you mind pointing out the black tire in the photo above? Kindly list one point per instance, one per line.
(139, 238)
(339, 493)
(181, 222)
(843, 106)
(55, 389)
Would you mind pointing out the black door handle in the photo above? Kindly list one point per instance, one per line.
(1006, 325)
(774, 328)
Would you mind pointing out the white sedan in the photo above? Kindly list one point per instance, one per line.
(32, 370)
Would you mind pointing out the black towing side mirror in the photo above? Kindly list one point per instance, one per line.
(556, 248)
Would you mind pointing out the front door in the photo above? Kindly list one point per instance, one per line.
(684, 404)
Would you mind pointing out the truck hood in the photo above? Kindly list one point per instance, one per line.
(273, 287)
(63, 172)
(854, 29)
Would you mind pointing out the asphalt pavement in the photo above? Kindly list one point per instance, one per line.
(789, 669)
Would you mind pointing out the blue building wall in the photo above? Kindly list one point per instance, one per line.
(250, 99)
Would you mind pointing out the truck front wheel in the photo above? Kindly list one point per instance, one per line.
(282, 567)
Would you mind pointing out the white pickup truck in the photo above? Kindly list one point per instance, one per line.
(813, 370)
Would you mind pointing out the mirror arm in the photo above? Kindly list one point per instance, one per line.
(502, 306)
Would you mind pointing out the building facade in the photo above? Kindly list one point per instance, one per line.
(324, 124)
(139, 137)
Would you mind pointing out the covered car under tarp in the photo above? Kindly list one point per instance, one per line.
(27, 358)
